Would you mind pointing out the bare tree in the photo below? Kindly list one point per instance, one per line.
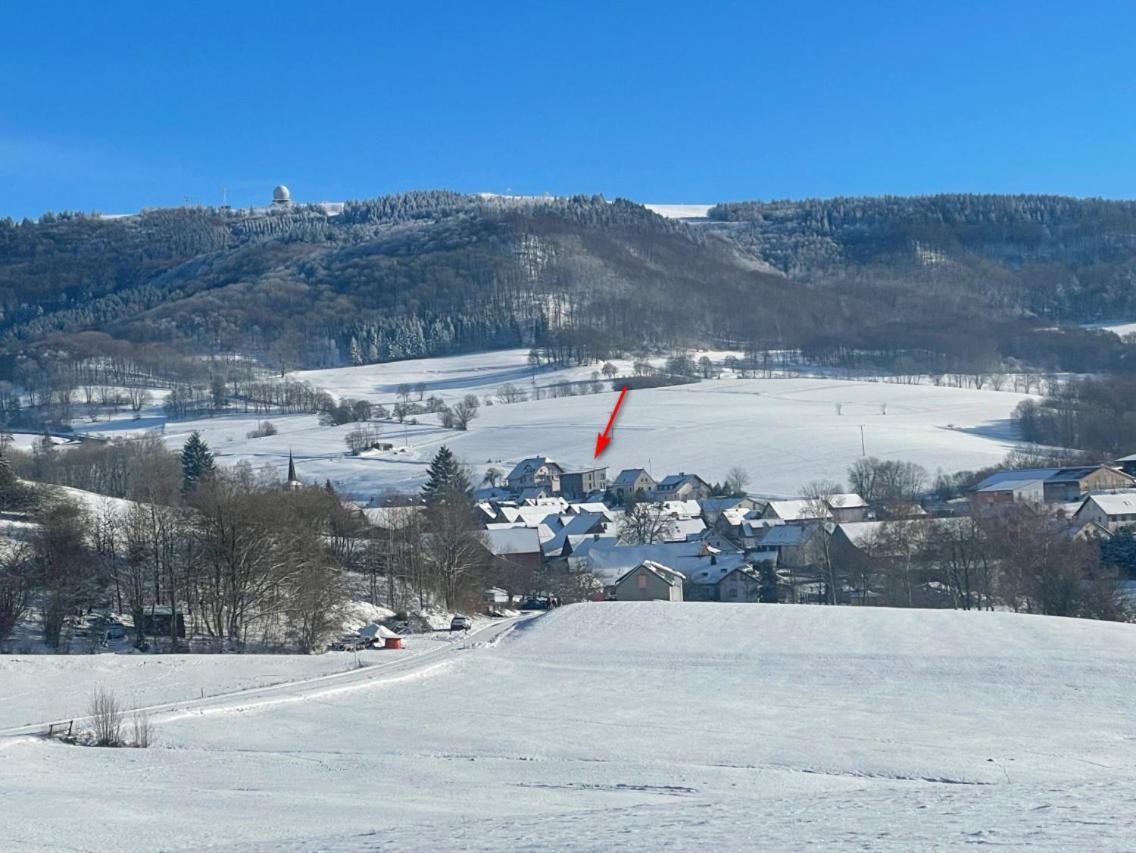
(737, 478)
(106, 716)
(63, 566)
(465, 411)
(645, 523)
(510, 393)
(16, 585)
(818, 496)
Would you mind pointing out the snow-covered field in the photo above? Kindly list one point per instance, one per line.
(639, 727)
(785, 432)
(680, 211)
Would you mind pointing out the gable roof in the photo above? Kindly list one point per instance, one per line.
(682, 509)
(848, 500)
(514, 540)
(1113, 503)
(527, 466)
(664, 573)
(606, 558)
(787, 535)
(578, 525)
(628, 476)
(798, 509)
(673, 481)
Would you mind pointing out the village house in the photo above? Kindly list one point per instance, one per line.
(798, 509)
(1111, 511)
(713, 508)
(681, 486)
(1050, 485)
(847, 507)
(794, 544)
(607, 559)
(515, 553)
(577, 485)
(632, 483)
(536, 472)
(742, 584)
(649, 581)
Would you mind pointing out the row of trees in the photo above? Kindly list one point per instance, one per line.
(236, 559)
(1018, 556)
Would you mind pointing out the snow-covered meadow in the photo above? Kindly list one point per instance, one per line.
(639, 727)
(784, 431)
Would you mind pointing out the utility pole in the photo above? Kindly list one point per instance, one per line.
(863, 449)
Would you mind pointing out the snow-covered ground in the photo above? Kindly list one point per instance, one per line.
(680, 211)
(640, 727)
(785, 432)
(35, 689)
(1121, 329)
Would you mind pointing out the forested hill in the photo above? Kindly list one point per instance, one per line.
(429, 273)
(1057, 258)
(394, 277)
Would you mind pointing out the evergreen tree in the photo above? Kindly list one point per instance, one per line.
(14, 495)
(446, 480)
(196, 462)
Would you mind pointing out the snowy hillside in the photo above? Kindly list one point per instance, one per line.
(785, 432)
(642, 727)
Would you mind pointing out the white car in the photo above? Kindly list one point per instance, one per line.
(460, 623)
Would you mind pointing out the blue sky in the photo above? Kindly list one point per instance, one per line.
(114, 106)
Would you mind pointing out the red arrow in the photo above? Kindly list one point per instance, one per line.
(603, 439)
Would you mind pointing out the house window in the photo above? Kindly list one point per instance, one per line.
(641, 581)
(733, 592)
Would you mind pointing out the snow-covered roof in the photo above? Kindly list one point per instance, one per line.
(735, 515)
(760, 526)
(686, 528)
(592, 506)
(799, 509)
(849, 500)
(578, 525)
(377, 631)
(664, 573)
(1006, 478)
(682, 509)
(1013, 486)
(517, 540)
(527, 466)
(1114, 503)
(787, 535)
(860, 533)
(608, 559)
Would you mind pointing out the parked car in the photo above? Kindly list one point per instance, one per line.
(460, 623)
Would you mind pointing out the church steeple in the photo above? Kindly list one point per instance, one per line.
(293, 482)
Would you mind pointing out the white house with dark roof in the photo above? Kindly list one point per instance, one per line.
(682, 487)
(535, 472)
